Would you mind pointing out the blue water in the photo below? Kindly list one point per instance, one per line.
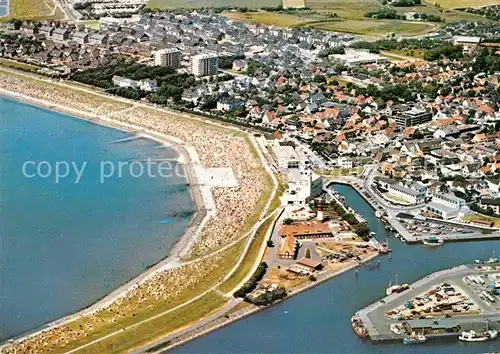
(65, 245)
(318, 321)
(3, 10)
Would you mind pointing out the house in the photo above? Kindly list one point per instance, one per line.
(288, 247)
(239, 65)
(308, 265)
(46, 30)
(147, 85)
(60, 34)
(97, 38)
(445, 205)
(490, 203)
(124, 82)
(414, 194)
(81, 37)
(228, 104)
(306, 230)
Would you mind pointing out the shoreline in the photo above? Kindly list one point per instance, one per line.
(179, 339)
(204, 206)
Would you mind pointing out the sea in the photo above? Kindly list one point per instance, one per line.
(66, 243)
(318, 320)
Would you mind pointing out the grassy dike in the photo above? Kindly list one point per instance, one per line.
(156, 317)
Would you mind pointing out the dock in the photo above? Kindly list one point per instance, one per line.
(378, 325)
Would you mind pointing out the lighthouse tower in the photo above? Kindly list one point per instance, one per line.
(319, 215)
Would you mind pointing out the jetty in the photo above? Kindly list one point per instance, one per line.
(379, 325)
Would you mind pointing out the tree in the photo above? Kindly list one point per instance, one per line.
(288, 221)
(308, 253)
(270, 243)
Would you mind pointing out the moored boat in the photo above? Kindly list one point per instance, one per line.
(472, 336)
(415, 339)
(358, 326)
(433, 241)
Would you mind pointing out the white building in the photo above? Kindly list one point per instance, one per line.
(303, 186)
(289, 158)
(168, 57)
(446, 205)
(358, 57)
(414, 194)
(205, 64)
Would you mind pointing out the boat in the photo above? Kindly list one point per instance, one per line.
(396, 288)
(433, 241)
(385, 246)
(358, 326)
(415, 339)
(472, 336)
(378, 214)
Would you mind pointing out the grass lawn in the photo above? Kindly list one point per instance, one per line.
(154, 329)
(455, 4)
(94, 24)
(341, 171)
(476, 216)
(17, 65)
(250, 258)
(169, 4)
(414, 53)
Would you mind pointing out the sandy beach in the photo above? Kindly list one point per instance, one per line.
(212, 231)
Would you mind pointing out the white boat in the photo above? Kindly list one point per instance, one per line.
(396, 288)
(433, 241)
(472, 336)
(415, 339)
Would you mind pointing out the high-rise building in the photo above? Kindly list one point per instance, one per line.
(168, 57)
(205, 64)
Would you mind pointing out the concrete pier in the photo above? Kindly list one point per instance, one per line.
(378, 325)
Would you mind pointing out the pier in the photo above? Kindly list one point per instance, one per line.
(130, 138)
(378, 325)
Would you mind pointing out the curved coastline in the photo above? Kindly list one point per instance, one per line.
(201, 196)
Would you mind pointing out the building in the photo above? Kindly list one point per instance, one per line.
(307, 265)
(60, 34)
(494, 204)
(228, 104)
(303, 186)
(359, 57)
(414, 194)
(289, 158)
(124, 82)
(97, 38)
(168, 57)
(205, 64)
(46, 30)
(306, 230)
(412, 117)
(431, 325)
(81, 37)
(288, 246)
(445, 205)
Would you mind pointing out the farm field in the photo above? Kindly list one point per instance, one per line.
(268, 18)
(375, 27)
(170, 4)
(456, 4)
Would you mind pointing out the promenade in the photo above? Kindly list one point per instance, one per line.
(220, 213)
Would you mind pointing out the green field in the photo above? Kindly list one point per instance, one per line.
(171, 4)
(456, 4)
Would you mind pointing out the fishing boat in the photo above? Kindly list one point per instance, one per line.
(415, 339)
(395, 288)
(472, 336)
(378, 214)
(358, 326)
(385, 246)
(433, 241)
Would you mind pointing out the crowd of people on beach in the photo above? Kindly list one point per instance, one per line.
(216, 147)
